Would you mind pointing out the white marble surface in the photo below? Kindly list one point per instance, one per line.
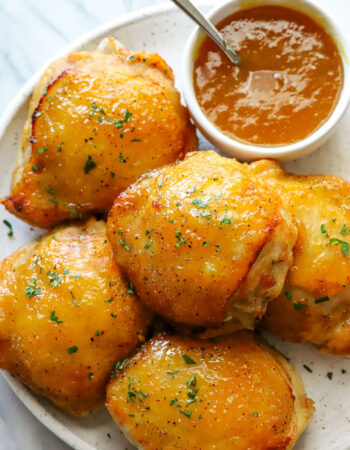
(30, 32)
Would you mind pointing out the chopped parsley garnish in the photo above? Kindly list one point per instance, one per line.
(344, 230)
(169, 372)
(72, 350)
(307, 368)
(53, 200)
(114, 316)
(73, 298)
(201, 203)
(193, 393)
(188, 359)
(132, 395)
(9, 226)
(299, 306)
(65, 272)
(35, 168)
(206, 213)
(180, 239)
(31, 289)
(49, 100)
(54, 318)
(344, 245)
(148, 243)
(225, 219)
(173, 401)
(119, 366)
(188, 414)
(329, 375)
(127, 116)
(288, 295)
(42, 150)
(59, 147)
(191, 382)
(205, 243)
(50, 191)
(121, 158)
(255, 414)
(217, 195)
(75, 213)
(322, 300)
(136, 140)
(112, 174)
(127, 248)
(109, 300)
(323, 228)
(131, 288)
(89, 165)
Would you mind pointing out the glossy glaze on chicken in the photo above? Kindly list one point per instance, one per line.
(96, 122)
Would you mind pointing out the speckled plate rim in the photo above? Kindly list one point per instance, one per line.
(21, 391)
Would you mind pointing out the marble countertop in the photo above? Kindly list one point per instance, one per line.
(31, 31)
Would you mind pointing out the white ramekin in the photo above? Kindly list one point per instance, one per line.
(244, 151)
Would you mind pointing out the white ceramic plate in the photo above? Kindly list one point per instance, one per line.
(164, 29)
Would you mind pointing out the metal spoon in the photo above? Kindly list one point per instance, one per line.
(209, 29)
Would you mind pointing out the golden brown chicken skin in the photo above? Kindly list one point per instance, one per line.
(96, 122)
(233, 393)
(202, 241)
(315, 303)
(66, 315)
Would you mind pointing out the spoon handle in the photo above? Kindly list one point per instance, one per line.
(208, 28)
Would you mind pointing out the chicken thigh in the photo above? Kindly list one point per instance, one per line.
(66, 315)
(315, 303)
(183, 393)
(97, 121)
(204, 243)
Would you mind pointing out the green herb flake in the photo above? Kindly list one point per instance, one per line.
(59, 147)
(127, 116)
(73, 298)
(255, 414)
(121, 158)
(205, 243)
(131, 288)
(299, 306)
(173, 401)
(42, 150)
(50, 191)
(188, 359)
(307, 368)
(35, 168)
(323, 228)
(288, 295)
(54, 318)
(89, 165)
(148, 243)
(75, 213)
(72, 350)
(109, 300)
(127, 248)
(191, 382)
(9, 226)
(188, 414)
(322, 299)
(136, 140)
(31, 290)
(344, 245)
(49, 100)
(119, 365)
(112, 174)
(206, 213)
(38, 114)
(114, 316)
(200, 203)
(329, 375)
(169, 372)
(65, 272)
(344, 230)
(53, 200)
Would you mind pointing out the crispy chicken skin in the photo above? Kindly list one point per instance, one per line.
(202, 241)
(315, 303)
(96, 122)
(66, 316)
(232, 393)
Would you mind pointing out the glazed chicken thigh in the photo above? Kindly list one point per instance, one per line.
(315, 303)
(97, 121)
(66, 315)
(183, 393)
(204, 243)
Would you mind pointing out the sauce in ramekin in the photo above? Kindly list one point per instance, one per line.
(287, 86)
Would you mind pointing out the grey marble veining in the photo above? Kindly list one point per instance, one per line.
(31, 31)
